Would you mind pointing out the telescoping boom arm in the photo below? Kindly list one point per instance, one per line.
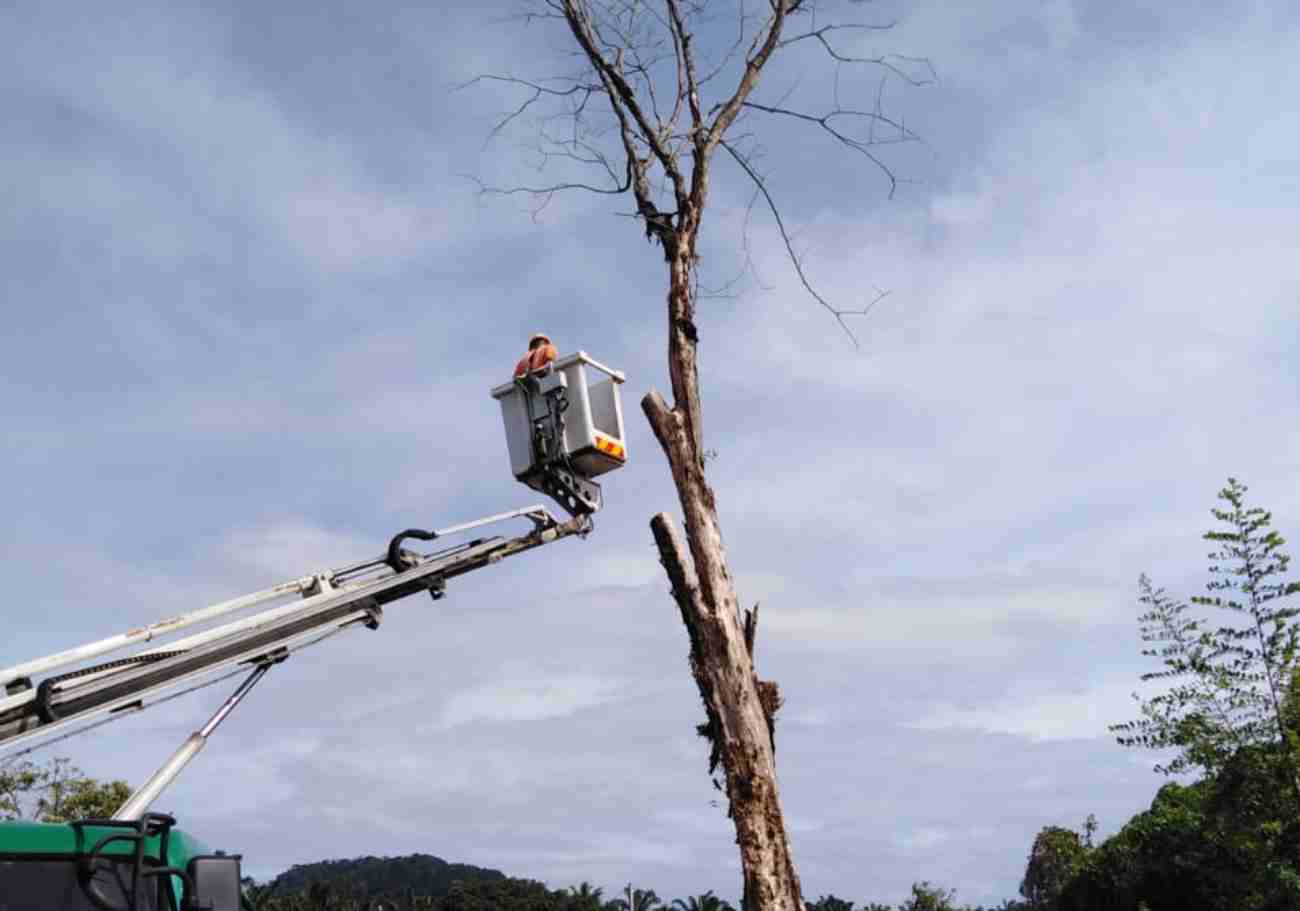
(347, 597)
(564, 426)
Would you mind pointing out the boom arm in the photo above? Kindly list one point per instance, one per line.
(563, 426)
(347, 597)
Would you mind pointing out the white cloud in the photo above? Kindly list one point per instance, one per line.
(291, 548)
(528, 695)
(943, 528)
(1049, 715)
(924, 838)
(238, 145)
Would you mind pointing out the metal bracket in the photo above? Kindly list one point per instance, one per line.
(577, 495)
(321, 584)
(371, 617)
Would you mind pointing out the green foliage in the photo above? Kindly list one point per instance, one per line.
(636, 900)
(707, 901)
(1218, 845)
(56, 792)
(1230, 710)
(348, 894)
(1229, 686)
(1054, 859)
(422, 874)
(926, 897)
(585, 897)
(351, 886)
(18, 782)
(830, 903)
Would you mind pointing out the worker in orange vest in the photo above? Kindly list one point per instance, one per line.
(540, 353)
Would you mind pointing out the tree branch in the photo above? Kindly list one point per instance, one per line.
(836, 312)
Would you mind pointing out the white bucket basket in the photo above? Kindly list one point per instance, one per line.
(593, 422)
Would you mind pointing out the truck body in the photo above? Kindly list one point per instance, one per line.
(98, 865)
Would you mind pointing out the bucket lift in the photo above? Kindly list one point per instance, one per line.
(564, 426)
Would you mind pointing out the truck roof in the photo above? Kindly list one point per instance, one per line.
(20, 838)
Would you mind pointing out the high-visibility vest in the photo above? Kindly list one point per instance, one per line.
(536, 359)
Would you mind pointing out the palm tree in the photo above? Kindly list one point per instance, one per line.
(829, 903)
(636, 900)
(706, 901)
(583, 897)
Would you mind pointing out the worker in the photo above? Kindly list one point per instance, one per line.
(540, 353)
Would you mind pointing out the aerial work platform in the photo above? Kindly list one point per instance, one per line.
(564, 426)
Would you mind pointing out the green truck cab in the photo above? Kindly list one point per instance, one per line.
(113, 865)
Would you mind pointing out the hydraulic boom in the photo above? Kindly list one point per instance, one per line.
(563, 427)
(347, 597)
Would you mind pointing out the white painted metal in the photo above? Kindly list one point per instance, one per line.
(594, 408)
(139, 802)
(148, 633)
(536, 512)
(125, 703)
(217, 632)
(247, 638)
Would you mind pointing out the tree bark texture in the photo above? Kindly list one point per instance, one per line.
(740, 707)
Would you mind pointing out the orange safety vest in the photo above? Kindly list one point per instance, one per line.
(536, 359)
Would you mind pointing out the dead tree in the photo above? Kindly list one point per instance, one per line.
(658, 88)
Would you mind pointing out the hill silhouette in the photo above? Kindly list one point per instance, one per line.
(420, 874)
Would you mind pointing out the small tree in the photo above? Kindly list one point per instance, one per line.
(18, 781)
(1228, 685)
(927, 897)
(57, 792)
(1053, 861)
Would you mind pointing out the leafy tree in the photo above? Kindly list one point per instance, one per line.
(57, 792)
(257, 896)
(419, 874)
(1054, 859)
(18, 780)
(927, 897)
(829, 903)
(1229, 686)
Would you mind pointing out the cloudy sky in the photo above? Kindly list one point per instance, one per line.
(253, 305)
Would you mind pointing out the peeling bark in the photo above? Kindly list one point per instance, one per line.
(741, 709)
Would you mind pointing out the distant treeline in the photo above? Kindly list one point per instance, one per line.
(420, 882)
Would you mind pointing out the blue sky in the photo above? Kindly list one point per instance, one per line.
(253, 308)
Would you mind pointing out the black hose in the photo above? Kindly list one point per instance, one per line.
(395, 546)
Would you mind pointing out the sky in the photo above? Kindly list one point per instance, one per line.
(253, 305)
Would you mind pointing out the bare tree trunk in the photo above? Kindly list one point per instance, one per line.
(740, 707)
(655, 64)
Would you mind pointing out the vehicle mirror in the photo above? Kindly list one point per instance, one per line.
(216, 882)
